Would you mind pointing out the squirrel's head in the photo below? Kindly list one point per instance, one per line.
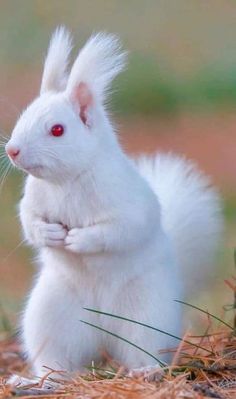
(60, 133)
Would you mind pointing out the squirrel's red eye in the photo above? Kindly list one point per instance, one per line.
(57, 130)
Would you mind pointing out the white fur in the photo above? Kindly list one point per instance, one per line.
(57, 60)
(98, 63)
(104, 240)
(191, 214)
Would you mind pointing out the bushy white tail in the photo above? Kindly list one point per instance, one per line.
(191, 214)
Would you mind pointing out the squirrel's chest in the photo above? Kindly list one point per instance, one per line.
(71, 209)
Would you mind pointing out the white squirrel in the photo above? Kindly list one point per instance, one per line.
(112, 234)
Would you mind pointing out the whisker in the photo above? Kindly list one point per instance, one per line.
(3, 135)
(13, 251)
(4, 176)
(4, 158)
(3, 162)
(2, 170)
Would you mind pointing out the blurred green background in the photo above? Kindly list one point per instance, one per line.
(178, 93)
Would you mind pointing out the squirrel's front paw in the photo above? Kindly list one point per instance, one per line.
(50, 234)
(85, 240)
(81, 240)
(73, 240)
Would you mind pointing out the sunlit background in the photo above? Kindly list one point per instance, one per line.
(178, 94)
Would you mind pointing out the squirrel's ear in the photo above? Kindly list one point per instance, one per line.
(55, 73)
(82, 99)
(97, 64)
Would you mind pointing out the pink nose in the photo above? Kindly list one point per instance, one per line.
(12, 152)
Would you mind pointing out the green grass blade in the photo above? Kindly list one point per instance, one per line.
(102, 373)
(205, 312)
(125, 340)
(150, 327)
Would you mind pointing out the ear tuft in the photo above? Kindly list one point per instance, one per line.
(97, 64)
(55, 68)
